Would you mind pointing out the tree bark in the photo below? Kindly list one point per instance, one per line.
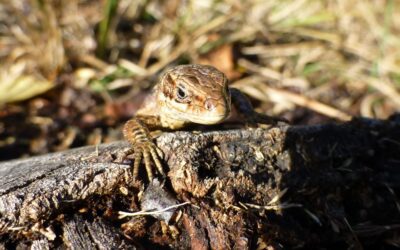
(280, 187)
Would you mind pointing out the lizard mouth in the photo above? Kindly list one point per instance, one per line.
(208, 119)
(209, 116)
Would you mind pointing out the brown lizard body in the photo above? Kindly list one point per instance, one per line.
(185, 94)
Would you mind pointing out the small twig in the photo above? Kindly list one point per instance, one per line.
(278, 196)
(274, 207)
(149, 212)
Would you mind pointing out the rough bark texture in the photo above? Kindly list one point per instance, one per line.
(328, 186)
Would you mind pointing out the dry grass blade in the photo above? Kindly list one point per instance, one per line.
(309, 103)
(281, 49)
(15, 85)
(35, 51)
(271, 74)
(267, 93)
(383, 86)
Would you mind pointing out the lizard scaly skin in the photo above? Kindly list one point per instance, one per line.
(185, 94)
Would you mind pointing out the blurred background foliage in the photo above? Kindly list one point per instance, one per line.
(72, 72)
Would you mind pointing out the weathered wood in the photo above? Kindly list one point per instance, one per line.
(79, 233)
(310, 186)
(32, 189)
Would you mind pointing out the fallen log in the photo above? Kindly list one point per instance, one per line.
(333, 185)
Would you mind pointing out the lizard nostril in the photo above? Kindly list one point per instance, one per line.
(210, 104)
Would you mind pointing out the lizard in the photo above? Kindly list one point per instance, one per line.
(185, 94)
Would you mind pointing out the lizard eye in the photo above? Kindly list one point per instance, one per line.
(181, 93)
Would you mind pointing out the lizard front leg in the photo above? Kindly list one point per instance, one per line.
(136, 132)
(244, 108)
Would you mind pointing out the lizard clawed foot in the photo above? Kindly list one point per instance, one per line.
(150, 153)
(135, 131)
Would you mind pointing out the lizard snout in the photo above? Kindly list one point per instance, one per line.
(215, 110)
(210, 104)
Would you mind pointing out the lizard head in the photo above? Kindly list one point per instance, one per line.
(194, 93)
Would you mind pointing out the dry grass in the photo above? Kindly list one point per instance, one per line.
(338, 58)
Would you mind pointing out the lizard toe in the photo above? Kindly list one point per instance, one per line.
(137, 159)
(147, 162)
(155, 157)
(150, 154)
